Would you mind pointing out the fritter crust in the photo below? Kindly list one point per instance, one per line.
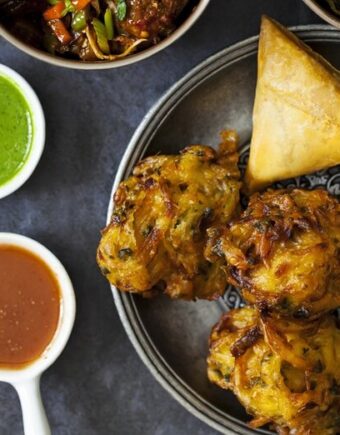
(284, 372)
(157, 234)
(283, 252)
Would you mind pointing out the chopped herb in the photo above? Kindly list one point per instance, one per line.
(69, 7)
(318, 367)
(105, 271)
(116, 218)
(257, 381)
(335, 389)
(302, 313)
(149, 183)
(205, 219)
(124, 253)
(217, 248)
(310, 405)
(178, 222)
(121, 9)
(202, 269)
(261, 226)
(251, 260)
(200, 153)
(147, 230)
(285, 304)
(313, 385)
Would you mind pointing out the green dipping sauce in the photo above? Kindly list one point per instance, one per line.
(16, 130)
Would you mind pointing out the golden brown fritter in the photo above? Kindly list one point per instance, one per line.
(157, 233)
(283, 251)
(284, 372)
(318, 422)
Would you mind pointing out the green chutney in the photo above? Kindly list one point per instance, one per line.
(16, 130)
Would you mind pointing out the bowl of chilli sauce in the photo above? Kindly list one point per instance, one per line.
(37, 306)
(22, 131)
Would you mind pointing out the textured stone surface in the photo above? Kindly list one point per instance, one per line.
(99, 385)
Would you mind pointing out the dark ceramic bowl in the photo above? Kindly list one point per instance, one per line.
(171, 337)
(322, 9)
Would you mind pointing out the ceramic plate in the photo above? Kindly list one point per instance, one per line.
(171, 336)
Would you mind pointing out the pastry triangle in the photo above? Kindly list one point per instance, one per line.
(296, 116)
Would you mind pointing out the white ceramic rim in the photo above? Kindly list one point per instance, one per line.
(76, 64)
(38, 137)
(67, 309)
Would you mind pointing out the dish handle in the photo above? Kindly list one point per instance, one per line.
(33, 412)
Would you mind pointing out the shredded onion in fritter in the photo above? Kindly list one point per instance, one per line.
(279, 345)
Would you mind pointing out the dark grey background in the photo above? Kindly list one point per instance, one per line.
(99, 385)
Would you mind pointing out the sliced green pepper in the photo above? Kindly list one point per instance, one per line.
(100, 31)
(79, 21)
(69, 7)
(108, 20)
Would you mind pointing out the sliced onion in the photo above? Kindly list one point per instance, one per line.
(100, 55)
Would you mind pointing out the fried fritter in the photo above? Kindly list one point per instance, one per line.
(283, 252)
(156, 237)
(284, 372)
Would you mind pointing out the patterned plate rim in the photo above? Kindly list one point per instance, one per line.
(138, 144)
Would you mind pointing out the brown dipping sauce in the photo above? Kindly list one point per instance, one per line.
(29, 306)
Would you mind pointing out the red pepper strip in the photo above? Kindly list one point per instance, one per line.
(54, 12)
(80, 4)
(60, 31)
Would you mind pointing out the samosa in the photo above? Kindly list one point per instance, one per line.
(296, 117)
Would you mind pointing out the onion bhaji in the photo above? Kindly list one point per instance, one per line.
(155, 241)
(286, 373)
(283, 252)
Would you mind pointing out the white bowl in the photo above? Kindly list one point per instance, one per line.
(78, 64)
(38, 140)
(26, 380)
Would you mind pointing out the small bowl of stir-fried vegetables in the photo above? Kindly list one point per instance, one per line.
(92, 34)
(328, 10)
